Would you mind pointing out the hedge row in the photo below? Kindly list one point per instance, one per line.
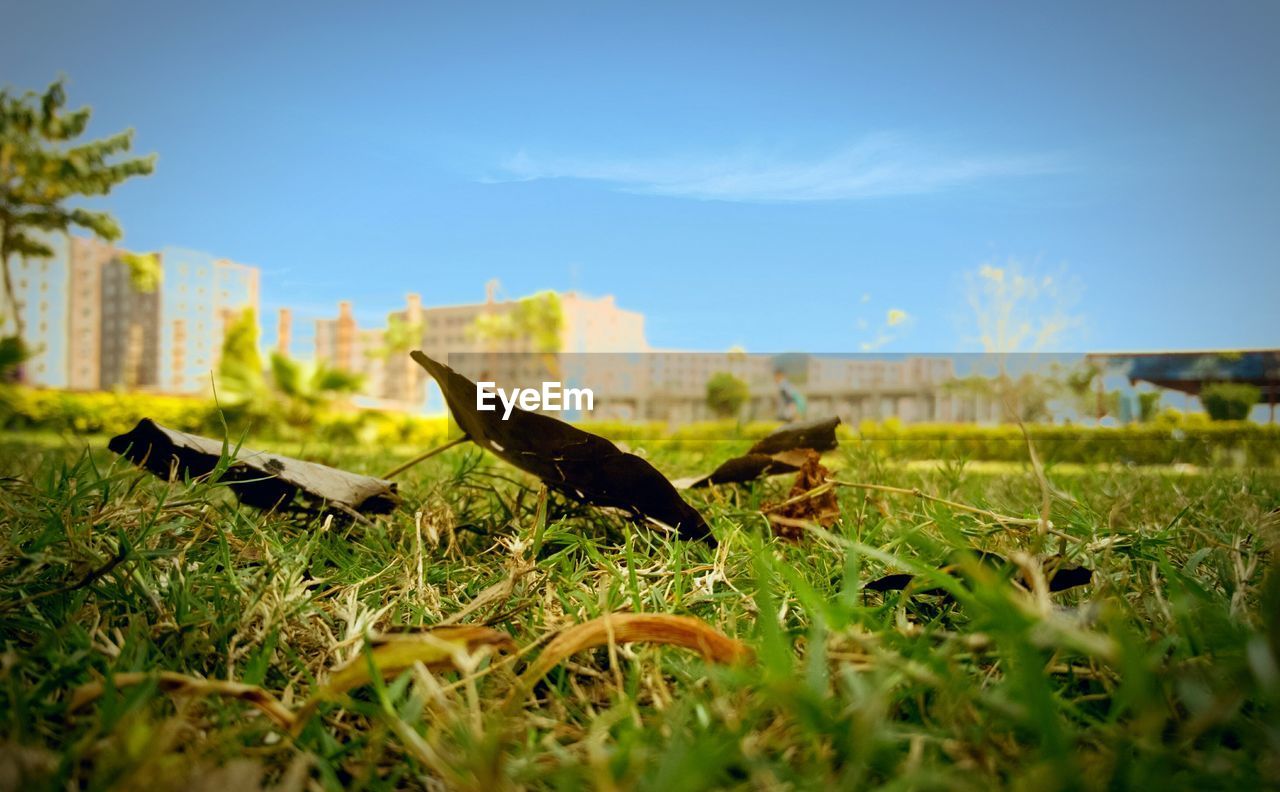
(113, 413)
(1226, 443)
(1189, 440)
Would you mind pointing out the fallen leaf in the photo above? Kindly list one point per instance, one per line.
(1058, 574)
(259, 479)
(437, 648)
(810, 500)
(182, 684)
(782, 451)
(622, 628)
(579, 464)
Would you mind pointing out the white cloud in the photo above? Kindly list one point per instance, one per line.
(896, 323)
(877, 166)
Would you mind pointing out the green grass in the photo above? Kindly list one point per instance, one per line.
(1163, 673)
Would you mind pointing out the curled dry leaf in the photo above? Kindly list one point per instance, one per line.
(1058, 574)
(579, 464)
(621, 628)
(811, 500)
(439, 648)
(782, 451)
(266, 481)
(181, 684)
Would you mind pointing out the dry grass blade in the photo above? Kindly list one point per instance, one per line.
(1003, 519)
(621, 628)
(459, 647)
(181, 684)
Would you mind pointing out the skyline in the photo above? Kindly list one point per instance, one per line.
(721, 173)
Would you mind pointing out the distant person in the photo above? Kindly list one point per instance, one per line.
(791, 403)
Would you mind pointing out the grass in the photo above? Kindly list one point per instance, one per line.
(1162, 673)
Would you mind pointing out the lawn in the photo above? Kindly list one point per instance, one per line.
(1162, 672)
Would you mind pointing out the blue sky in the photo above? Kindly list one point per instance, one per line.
(775, 176)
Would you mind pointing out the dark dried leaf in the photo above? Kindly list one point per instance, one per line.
(804, 504)
(579, 464)
(1059, 575)
(779, 452)
(259, 479)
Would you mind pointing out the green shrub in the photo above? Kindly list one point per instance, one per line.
(113, 413)
(726, 394)
(1197, 443)
(1229, 401)
(1172, 438)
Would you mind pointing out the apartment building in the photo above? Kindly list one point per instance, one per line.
(200, 297)
(604, 347)
(87, 258)
(94, 330)
(392, 379)
(40, 286)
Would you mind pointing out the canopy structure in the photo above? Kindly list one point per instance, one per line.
(1190, 371)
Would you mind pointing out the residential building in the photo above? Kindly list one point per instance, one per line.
(200, 297)
(392, 379)
(603, 347)
(40, 288)
(88, 257)
(94, 330)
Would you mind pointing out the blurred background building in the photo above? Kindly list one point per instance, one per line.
(94, 328)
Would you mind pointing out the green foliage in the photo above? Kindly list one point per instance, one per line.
(310, 386)
(1148, 406)
(240, 375)
(145, 271)
(1172, 438)
(1188, 441)
(42, 168)
(400, 336)
(1229, 401)
(726, 394)
(538, 318)
(13, 353)
(96, 413)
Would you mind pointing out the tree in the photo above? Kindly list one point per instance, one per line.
(1229, 401)
(145, 272)
(1025, 398)
(1015, 311)
(13, 353)
(538, 318)
(308, 387)
(240, 366)
(726, 394)
(1148, 406)
(42, 168)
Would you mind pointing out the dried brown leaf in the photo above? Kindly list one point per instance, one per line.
(621, 628)
(266, 481)
(183, 685)
(457, 647)
(811, 500)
